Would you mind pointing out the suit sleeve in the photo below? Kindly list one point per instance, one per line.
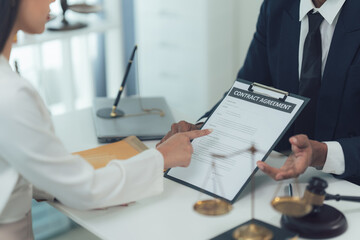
(256, 66)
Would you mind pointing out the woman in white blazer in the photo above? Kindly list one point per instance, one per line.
(32, 155)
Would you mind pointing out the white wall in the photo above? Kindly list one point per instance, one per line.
(191, 50)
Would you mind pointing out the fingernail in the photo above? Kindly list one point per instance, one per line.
(210, 129)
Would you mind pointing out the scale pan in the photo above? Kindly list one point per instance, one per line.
(212, 207)
(85, 8)
(291, 206)
(252, 232)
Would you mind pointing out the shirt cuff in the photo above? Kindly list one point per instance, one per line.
(335, 159)
(159, 156)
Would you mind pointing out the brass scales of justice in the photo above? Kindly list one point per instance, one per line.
(216, 207)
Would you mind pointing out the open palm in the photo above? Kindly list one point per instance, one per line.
(298, 161)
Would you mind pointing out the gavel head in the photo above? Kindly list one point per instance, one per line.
(312, 200)
(315, 192)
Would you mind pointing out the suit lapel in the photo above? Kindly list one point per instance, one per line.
(344, 46)
(289, 49)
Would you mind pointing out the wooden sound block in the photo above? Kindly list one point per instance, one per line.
(323, 222)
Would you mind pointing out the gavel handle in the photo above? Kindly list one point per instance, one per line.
(338, 197)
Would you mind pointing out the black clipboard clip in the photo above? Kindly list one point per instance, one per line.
(254, 84)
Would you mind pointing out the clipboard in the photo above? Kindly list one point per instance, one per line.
(239, 120)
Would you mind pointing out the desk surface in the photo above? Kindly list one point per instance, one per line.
(170, 215)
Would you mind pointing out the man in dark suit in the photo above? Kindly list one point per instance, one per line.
(284, 55)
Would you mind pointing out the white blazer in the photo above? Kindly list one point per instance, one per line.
(30, 153)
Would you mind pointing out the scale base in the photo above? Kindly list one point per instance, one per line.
(278, 233)
(326, 223)
(252, 231)
(106, 113)
(64, 25)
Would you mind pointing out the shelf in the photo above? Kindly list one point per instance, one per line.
(94, 25)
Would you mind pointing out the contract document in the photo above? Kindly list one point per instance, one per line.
(250, 115)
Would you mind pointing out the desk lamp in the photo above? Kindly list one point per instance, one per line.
(64, 24)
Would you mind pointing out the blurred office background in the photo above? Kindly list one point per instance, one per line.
(189, 52)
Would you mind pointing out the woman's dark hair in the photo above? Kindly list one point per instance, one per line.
(8, 12)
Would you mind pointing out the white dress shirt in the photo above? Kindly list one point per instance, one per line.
(330, 10)
(30, 153)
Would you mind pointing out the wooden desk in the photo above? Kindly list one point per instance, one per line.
(170, 215)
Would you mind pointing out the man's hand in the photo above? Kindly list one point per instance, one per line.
(305, 153)
(177, 150)
(181, 126)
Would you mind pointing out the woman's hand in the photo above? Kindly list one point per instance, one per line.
(177, 149)
(179, 127)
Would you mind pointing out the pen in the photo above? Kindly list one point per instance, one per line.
(113, 114)
(290, 190)
(17, 67)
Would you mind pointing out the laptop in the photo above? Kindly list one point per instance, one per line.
(144, 125)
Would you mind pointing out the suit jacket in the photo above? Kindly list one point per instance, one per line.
(272, 59)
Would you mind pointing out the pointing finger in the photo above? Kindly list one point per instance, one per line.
(197, 133)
